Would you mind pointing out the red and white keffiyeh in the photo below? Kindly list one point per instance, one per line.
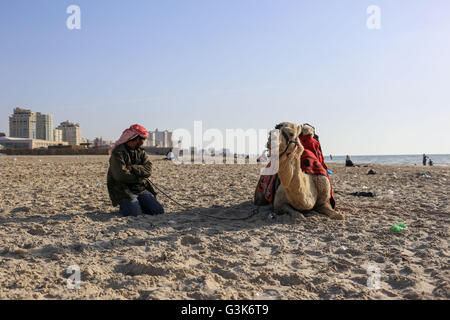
(131, 133)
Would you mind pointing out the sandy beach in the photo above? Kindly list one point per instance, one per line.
(55, 212)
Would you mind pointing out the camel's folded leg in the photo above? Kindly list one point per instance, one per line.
(310, 213)
(287, 209)
(281, 204)
(330, 213)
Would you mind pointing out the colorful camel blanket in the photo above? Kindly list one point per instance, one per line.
(309, 163)
(312, 145)
(267, 185)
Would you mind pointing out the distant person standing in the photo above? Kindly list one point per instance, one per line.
(331, 157)
(424, 160)
(430, 162)
(349, 162)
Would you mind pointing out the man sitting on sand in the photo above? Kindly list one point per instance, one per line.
(129, 170)
(349, 162)
(170, 155)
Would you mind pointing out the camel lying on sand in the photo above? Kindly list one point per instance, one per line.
(298, 191)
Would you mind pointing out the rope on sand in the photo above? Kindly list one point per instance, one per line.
(254, 211)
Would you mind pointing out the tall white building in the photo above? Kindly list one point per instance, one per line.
(22, 124)
(71, 132)
(161, 138)
(150, 142)
(57, 135)
(44, 126)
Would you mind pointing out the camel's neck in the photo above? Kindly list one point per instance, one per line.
(289, 170)
(294, 181)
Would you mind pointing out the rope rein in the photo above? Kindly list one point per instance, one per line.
(254, 211)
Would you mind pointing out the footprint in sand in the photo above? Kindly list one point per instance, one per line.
(20, 209)
(37, 231)
(190, 240)
(49, 251)
(401, 282)
(135, 268)
(292, 279)
(226, 274)
(268, 294)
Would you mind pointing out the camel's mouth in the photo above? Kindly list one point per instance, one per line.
(288, 134)
(291, 149)
(290, 143)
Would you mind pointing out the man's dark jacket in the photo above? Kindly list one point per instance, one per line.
(125, 171)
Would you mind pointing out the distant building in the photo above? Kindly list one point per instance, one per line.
(71, 132)
(22, 124)
(99, 142)
(57, 135)
(162, 139)
(168, 139)
(159, 137)
(44, 126)
(25, 143)
(150, 142)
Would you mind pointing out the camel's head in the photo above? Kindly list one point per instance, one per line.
(289, 132)
(308, 130)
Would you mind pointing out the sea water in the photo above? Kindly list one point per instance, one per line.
(406, 159)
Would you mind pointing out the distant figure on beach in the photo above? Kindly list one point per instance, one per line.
(424, 159)
(349, 162)
(331, 157)
(170, 155)
(128, 175)
(430, 162)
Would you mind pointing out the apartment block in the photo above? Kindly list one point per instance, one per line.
(57, 135)
(44, 126)
(22, 124)
(71, 132)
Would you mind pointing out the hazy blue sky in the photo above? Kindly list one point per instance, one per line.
(236, 64)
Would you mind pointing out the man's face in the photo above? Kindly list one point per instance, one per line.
(139, 142)
(136, 143)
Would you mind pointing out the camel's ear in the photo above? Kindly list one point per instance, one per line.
(299, 129)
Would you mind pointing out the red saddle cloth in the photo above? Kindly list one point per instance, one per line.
(267, 185)
(311, 144)
(310, 163)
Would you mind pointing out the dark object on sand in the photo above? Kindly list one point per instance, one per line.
(371, 171)
(349, 162)
(364, 194)
(430, 162)
(424, 175)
